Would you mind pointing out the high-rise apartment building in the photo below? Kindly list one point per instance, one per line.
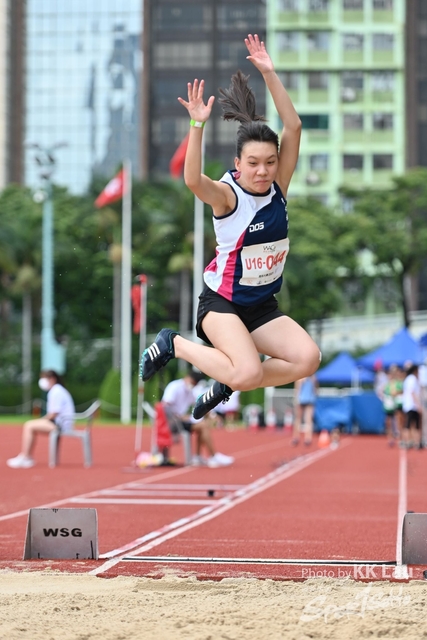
(343, 63)
(104, 79)
(3, 90)
(197, 39)
(83, 69)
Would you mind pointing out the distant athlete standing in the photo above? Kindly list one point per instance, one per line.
(238, 313)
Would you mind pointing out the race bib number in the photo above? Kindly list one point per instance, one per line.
(263, 263)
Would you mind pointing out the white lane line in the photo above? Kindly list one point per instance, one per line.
(178, 493)
(140, 501)
(285, 561)
(173, 473)
(191, 487)
(167, 474)
(208, 513)
(401, 570)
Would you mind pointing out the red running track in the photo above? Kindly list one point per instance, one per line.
(279, 512)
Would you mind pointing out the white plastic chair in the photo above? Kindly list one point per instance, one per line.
(85, 436)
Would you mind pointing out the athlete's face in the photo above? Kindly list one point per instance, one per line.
(258, 166)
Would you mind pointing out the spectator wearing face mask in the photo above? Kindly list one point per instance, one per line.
(59, 409)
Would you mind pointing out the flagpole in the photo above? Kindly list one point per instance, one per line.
(198, 251)
(126, 315)
(142, 279)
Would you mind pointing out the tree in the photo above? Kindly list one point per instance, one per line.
(392, 224)
(321, 247)
(20, 257)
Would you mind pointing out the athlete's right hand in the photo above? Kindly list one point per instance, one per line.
(195, 106)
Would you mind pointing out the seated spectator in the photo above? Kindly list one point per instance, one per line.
(229, 412)
(178, 398)
(60, 407)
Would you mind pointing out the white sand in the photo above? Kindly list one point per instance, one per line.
(54, 606)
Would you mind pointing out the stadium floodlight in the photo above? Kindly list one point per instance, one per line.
(52, 353)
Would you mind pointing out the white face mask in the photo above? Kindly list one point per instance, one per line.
(44, 384)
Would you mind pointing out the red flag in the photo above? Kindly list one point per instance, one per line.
(113, 191)
(161, 425)
(176, 165)
(136, 304)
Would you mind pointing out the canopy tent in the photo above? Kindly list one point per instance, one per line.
(400, 349)
(423, 340)
(344, 370)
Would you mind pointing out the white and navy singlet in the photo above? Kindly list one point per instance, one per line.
(252, 246)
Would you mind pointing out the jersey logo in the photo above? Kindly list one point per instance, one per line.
(256, 227)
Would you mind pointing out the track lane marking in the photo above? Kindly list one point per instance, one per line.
(174, 529)
(150, 479)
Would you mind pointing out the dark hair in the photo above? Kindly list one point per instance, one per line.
(50, 373)
(238, 103)
(412, 369)
(196, 376)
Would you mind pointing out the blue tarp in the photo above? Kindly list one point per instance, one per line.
(399, 350)
(343, 370)
(330, 413)
(367, 412)
(362, 409)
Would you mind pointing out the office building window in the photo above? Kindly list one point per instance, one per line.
(318, 5)
(289, 79)
(182, 55)
(194, 17)
(352, 80)
(315, 121)
(353, 41)
(290, 5)
(318, 40)
(288, 40)
(352, 162)
(319, 162)
(352, 121)
(239, 17)
(382, 161)
(383, 5)
(383, 81)
(318, 80)
(353, 5)
(381, 121)
(351, 85)
(383, 41)
(232, 55)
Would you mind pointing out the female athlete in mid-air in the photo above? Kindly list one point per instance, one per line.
(238, 313)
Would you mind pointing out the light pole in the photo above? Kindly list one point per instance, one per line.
(52, 353)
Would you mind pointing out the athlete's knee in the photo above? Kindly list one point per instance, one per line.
(314, 358)
(247, 378)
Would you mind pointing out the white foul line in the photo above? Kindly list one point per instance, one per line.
(213, 511)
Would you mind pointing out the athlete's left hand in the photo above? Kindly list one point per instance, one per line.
(258, 54)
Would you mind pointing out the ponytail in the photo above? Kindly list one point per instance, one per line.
(238, 103)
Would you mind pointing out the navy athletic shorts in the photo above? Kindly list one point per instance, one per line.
(252, 317)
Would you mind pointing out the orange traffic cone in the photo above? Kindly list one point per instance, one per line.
(324, 439)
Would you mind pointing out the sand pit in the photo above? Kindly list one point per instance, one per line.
(53, 606)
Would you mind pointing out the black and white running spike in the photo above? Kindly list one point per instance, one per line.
(217, 393)
(158, 354)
